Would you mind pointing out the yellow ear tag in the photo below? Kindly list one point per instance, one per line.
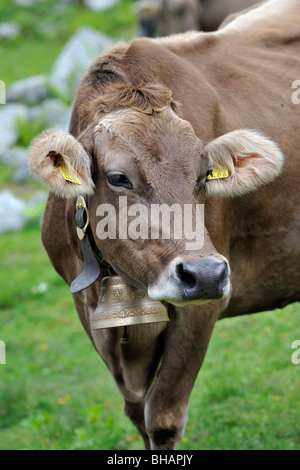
(218, 172)
(68, 176)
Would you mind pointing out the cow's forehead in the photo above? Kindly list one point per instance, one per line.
(162, 134)
(127, 117)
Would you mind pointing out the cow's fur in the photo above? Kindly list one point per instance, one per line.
(222, 151)
(163, 111)
(44, 162)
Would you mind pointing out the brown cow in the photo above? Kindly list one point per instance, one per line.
(150, 120)
(165, 17)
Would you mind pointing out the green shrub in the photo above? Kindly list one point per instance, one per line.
(28, 129)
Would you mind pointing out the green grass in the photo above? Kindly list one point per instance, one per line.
(27, 130)
(56, 393)
(246, 395)
(45, 28)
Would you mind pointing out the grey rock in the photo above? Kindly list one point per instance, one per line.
(9, 30)
(27, 3)
(16, 212)
(17, 157)
(29, 91)
(21, 174)
(57, 114)
(14, 156)
(11, 212)
(8, 129)
(100, 5)
(84, 46)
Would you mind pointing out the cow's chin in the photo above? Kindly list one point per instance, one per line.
(184, 303)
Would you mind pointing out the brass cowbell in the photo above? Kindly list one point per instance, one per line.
(121, 304)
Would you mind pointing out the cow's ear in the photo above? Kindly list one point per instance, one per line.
(60, 161)
(246, 160)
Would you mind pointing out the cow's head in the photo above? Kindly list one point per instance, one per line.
(137, 158)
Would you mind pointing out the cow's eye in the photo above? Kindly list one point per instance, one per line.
(119, 179)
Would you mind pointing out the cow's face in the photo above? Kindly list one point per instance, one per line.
(146, 174)
(151, 169)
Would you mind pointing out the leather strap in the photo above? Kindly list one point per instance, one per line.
(92, 256)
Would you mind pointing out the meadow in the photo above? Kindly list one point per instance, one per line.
(45, 28)
(55, 391)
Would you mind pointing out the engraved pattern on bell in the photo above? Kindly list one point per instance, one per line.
(118, 294)
(121, 304)
(137, 294)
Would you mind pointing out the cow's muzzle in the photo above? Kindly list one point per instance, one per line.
(197, 281)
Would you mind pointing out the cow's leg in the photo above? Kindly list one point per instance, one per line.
(166, 407)
(133, 365)
(135, 412)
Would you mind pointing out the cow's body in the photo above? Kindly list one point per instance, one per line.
(237, 78)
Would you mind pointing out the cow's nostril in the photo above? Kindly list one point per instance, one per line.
(185, 276)
(224, 272)
(202, 278)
